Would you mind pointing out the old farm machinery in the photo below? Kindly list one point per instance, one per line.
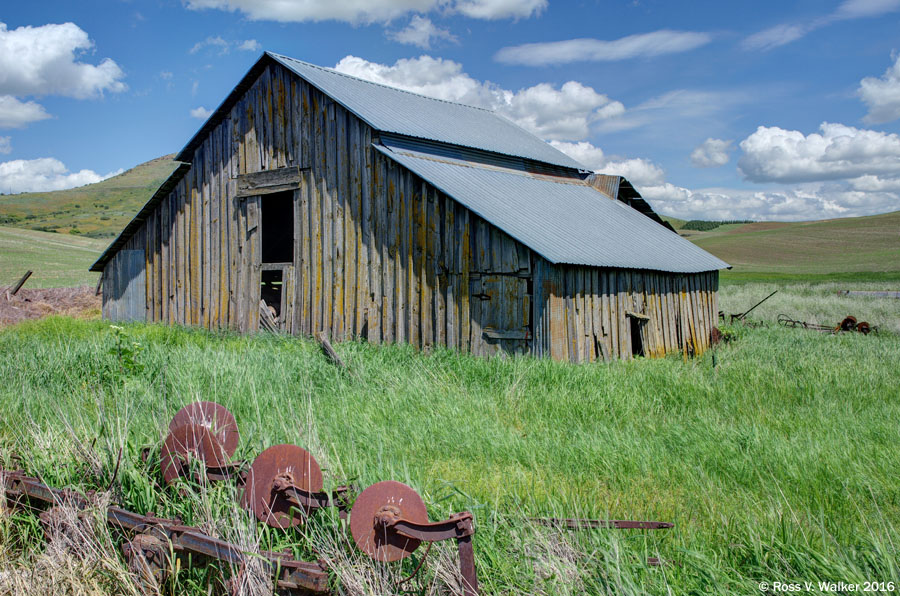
(847, 324)
(282, 487)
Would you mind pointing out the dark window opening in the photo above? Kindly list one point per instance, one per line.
(270, 291)
(278, 227)
(637, 344)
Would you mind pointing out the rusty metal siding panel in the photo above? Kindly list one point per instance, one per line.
(563, 221)
(605, 183)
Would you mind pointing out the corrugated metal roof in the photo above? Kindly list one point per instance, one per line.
(162, 192)
(564, 221)
(402, 112)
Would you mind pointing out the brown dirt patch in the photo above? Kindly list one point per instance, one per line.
(80, 302)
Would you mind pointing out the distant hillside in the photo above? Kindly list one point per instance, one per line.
(99, 210)
(848, 245)
(57, 260)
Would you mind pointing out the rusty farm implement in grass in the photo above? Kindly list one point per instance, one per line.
(847, 324)
(281, 488)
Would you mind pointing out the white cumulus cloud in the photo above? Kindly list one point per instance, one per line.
(563, 113)
(642, 45)
(499, 9)
(43, 174)
(865, 195)
(638, 171)
(792, 203)
(201, 113)
(711, 153)
(6, 145)
(421, 32)
(44, 61)
(882, 95)
(15, 113)
(772, 154)
(369, 11)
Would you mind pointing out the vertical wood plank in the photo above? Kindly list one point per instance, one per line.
(337, 171)
(465, 266)
(389, 252)
(451, 287)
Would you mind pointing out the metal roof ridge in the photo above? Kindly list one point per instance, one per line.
(392, 88)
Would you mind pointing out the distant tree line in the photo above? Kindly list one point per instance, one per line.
(700, 225)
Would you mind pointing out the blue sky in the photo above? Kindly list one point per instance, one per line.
(714, 110)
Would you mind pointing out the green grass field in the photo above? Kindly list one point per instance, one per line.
(100, 210)
(857, 245)
(58, 260)
(775, 456)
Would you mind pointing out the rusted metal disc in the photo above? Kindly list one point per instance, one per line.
(213, 416)
(377, 542)
(190, 440)
(848, 324)
(864, 328)
(269, 505)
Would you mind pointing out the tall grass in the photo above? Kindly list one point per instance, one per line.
(776, 456)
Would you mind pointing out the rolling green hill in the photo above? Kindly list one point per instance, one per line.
(855, 245)
(99, 210)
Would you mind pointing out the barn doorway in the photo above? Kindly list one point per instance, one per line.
(637, 339)
(276, 260)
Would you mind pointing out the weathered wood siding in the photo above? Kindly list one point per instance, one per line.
(379, 253)
(583, 314)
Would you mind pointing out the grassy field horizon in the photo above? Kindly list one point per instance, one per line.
(58, 260)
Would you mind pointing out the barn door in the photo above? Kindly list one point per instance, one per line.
(124, 287)
(501, 310)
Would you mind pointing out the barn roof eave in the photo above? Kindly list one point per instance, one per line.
(565, 221)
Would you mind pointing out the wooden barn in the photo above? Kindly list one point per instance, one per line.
(315, 201)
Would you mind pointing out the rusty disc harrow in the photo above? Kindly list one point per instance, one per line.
(848, 324)
(376, 541)
(215, 417)
(273, 473)
(187, 442)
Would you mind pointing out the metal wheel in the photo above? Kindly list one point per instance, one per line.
(378, 543)
(213, 416)
(271, 506)
(190, 441)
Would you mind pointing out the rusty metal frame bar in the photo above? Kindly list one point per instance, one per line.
(291, 575)
(459, 526)
(588, 524)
